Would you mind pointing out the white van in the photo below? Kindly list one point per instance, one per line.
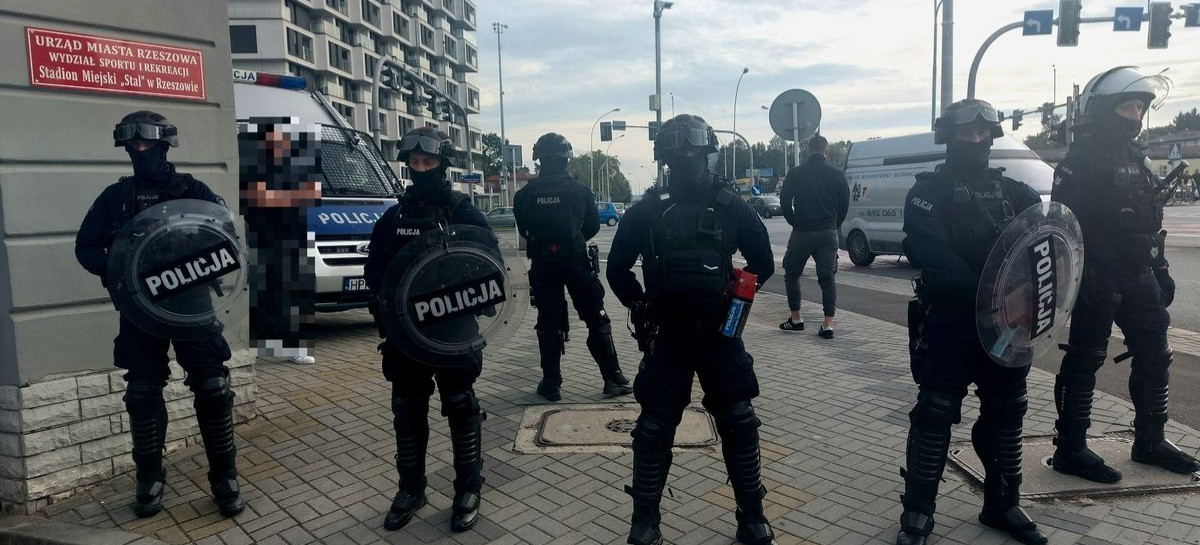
(881, 171)
(357, 185)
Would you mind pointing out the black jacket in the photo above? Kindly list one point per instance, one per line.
(815, 196)
(379, 256)
(116, 205)
(584, 220)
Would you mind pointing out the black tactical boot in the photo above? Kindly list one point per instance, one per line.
(997, 440)
(928, 445)
(651, 465)
(550, 345)
(1073, 398)
(600, 344)
(214, 413)
(466, 439)
(410, 420)
(148, 429)
(1150, 444)
(739, 445)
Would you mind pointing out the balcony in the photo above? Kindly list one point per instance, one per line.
(464, 15)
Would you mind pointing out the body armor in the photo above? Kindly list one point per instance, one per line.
(692, 265)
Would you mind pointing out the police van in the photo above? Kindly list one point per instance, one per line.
(881, 171)
(357, 185)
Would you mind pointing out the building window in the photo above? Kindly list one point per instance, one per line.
(399, 25)
(370, 13)
(345, 33)
(427, 36)
(369, 63)
(243, 39)
(472, 59)
(309, 76)
(473, 98)
(406, 125)
(383, 125)
(339, 5)
(450, 47)
(379, 44)
(299, 45)
(339, 57)
(299, 15)
(346, 111)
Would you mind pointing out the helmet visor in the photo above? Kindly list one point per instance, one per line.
(976, 111)
(677, 138)
(127, 131)
(417, 142)
(1157, 85)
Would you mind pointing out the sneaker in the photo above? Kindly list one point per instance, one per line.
(825, 332)
(789, 325)
(303, 359)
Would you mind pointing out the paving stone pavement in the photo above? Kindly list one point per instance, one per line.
(317, 462)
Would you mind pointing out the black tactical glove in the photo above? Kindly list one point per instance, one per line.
(1166, 284)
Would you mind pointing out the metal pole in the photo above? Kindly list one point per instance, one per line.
(933, 85)
(592, 148)
(607, 189)
(1054, 90)
(983, 48)
(499, 28)
(796, 130)
(748, 147)
(735, 95)
(659, 6)
(947, 52)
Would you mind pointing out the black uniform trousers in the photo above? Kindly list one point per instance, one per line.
(145, 355)
(548, 277)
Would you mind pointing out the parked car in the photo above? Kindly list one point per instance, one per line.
(501, 217)
(766, 206)
(609, 214)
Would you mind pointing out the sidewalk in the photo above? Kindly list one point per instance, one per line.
(317, 463)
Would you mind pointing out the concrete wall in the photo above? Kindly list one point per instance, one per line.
(62, 422)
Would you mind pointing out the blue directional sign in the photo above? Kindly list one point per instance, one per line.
(756, 190)
(1128, 19)
(472, 178)
(1038, 22)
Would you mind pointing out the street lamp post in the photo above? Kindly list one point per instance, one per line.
(499, 28)
(735, 95)
(591, 147)
(659, 6)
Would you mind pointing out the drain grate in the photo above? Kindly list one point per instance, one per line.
(1042, 482)
(621, 425)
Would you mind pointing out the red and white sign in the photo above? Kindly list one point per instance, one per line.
(65, 60)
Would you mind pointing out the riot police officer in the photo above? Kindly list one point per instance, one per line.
(427, 204)
(952, 217)
(558, 216)
(1105, 180)
(146, 137)
(686, 236)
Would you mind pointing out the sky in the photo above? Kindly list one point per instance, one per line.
(868, 62)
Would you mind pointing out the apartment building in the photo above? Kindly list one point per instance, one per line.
(335, 45)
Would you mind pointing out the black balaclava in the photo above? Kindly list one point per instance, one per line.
(431, 185)
(1113, 126)
(687, 172)
(968, 157)
(151, 164)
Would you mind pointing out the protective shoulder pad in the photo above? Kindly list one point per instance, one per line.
(724, 197)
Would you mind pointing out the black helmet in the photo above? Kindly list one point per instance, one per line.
(146, 125)
(966, 112)
(429, 140)
(552, 144)
(684, 130)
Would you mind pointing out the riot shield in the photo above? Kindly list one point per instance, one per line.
(1029, 284)
(177, 269)
(450, 291)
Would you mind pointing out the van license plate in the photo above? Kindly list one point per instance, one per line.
(354, 284)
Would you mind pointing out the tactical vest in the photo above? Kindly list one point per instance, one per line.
(981, 211)
(413, 217)
(691, 262)
(1134, 191)
(1126, 199)
(553, 219)
(134, 199)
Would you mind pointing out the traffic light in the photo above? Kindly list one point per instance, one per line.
(447, 111)
(1016, 119)
(431, 102)
(653, 126)
(1160, 21)
(1047, 114)
(1068, 22)
(413, 87)
(1191, 15)
(387, 78)
(605, 131)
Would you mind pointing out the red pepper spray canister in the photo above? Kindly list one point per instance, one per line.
(743, 289)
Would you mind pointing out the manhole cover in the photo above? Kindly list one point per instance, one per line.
(621, 425)
(1042, 482)
(602, 428)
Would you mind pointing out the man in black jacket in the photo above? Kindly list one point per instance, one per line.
(814, 199)
(558, 216)
(146, 137)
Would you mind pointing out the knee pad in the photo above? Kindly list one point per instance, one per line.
(213, 393)
(936, 409)
(1005, 408)
(143, 394)
(405, 405)
(460, 404)
(1084, 359)
(653, 432)
(737, 418)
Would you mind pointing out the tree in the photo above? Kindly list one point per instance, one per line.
(1187, 121)
(1044, 139)
(490, 162)
(618, 184)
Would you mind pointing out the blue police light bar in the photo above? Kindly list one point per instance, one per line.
(269, 80)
